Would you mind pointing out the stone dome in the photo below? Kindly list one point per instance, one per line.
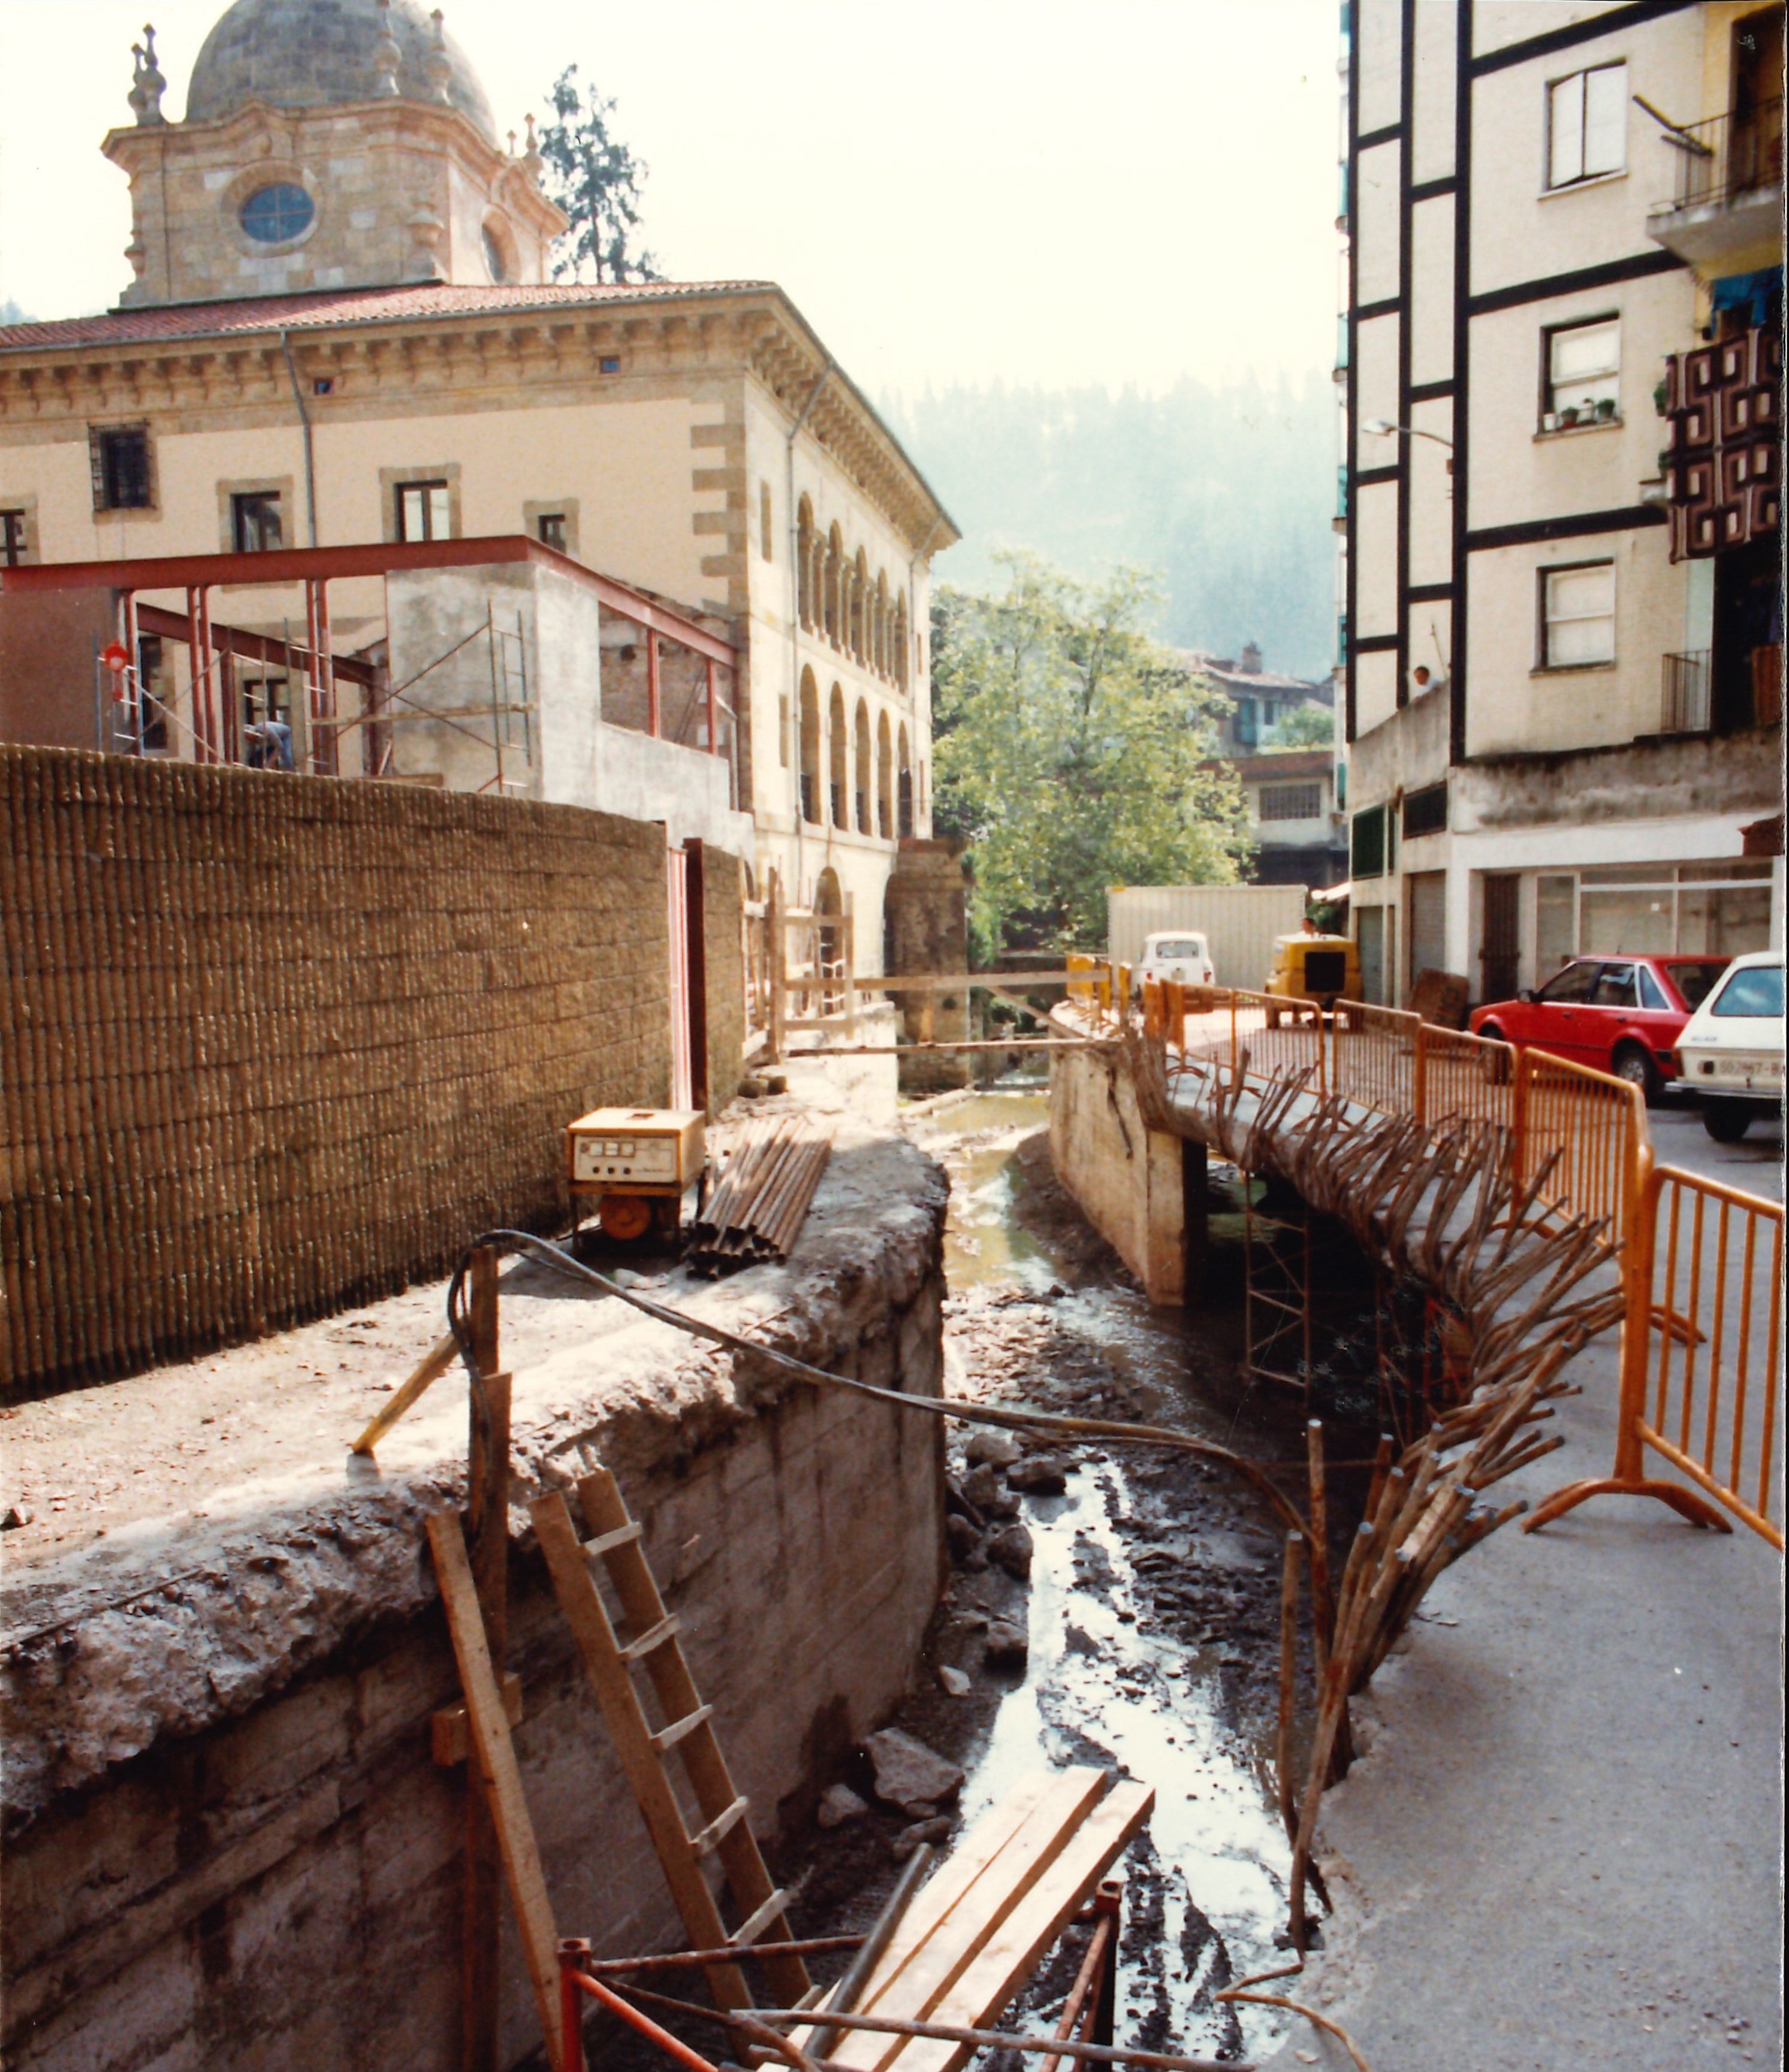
(320, 53)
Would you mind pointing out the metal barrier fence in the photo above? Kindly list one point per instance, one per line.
(1702, 1264)
(1702, 1358)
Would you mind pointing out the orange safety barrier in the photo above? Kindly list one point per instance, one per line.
(1706, 1283)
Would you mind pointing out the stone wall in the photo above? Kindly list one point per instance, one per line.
(276, 1043)
(724, 962)
(926, 927)
(227, 1845)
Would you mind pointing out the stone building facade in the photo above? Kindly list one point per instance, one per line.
(365, 378)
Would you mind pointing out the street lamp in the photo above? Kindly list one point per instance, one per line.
(1379, 429)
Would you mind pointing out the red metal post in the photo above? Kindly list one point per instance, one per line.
(574, 1954)
(652, 683)
(196, 671)
(713, 709)
(134, 675)
(325, 736)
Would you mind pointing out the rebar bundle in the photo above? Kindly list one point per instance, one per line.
(755, 1213)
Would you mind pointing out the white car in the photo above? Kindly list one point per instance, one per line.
(1730, 1052)
(1183, 955)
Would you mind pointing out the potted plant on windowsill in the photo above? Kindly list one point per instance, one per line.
(1567, 419)
(1606, 410)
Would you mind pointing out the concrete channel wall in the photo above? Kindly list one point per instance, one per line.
(1127, 1178)
(228, 1844)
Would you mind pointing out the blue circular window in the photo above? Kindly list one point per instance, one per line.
(273, 215)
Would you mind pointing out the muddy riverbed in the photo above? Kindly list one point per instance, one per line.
(1149, 1612)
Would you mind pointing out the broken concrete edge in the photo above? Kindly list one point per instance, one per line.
(176, 1623)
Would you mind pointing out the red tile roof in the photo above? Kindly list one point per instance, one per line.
(168, 324)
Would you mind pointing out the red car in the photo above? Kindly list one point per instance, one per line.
(1620, 1014)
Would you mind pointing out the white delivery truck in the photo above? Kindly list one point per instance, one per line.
(1238, 922)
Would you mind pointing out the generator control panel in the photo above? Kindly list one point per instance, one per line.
(636, 1151)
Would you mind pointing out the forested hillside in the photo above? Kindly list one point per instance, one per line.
(1227, 492)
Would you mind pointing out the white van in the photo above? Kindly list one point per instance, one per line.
(1183, 955)
(1729, 1054)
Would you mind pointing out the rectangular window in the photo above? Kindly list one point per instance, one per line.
(121, 468)
(1367, 844)
(422, 511)
(1587, 125)
(14, 538)
(1583, 374)
(551, 527)
(1578, 611)
(1247, 722)
(782, 731)
(255, 527)
(767, 538)
(1425, 811)
(1292, 802)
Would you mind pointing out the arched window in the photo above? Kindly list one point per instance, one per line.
(860, 605)
(904, 788)
(837, 761)
(804, 561)
(835, 578)
(829, 943)
(901, 671)
(884, 780)
(882, 657)
(810, 747)
(861, 772)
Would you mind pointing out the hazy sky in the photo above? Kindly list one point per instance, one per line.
(1113, 190)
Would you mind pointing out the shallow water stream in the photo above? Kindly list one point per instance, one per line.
(1108, 1680)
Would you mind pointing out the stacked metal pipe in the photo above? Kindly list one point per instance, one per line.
(755, 1213)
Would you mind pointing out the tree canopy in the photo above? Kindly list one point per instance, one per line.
(1072, 753)
(1310, 726)
(596, 179)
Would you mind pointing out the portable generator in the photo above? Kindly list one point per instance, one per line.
(635, 1165)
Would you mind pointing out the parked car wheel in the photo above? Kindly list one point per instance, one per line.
(1631, 1063)
(1499, 1062)
(1726, 1121)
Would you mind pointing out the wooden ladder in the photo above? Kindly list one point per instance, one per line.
(652, 1644)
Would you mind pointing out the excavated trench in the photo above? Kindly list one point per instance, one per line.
(1149, 1611)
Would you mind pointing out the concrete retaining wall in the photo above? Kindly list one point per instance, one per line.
(1127, 1178)
(273, 1043)
(228, 1848)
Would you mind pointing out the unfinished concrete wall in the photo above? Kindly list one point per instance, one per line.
(925, 922)
(724, 959)
(50, 644)
(686, 788)
(1127, 1178)
(271, 1043)
(228, 1849)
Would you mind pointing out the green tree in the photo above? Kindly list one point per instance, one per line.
(1073, 754)
(596, 179)
(1309, 726)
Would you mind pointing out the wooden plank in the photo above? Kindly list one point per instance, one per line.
(703, 1764)
(963, 981)
(605, 1542)
(487, 1542)
(1028, 1933)
(717, 1829)
(667, 1737)
(434, 1364)
(495, 1755)
(962, 1906)
(654, 1637)
(450, 1739)
(588, 1620)
(750, 1928)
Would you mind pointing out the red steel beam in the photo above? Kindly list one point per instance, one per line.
(292, 564)
(251, 646)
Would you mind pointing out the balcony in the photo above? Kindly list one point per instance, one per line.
(1728, 197)
(1686, 686)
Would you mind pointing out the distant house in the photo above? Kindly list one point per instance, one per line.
(1295, 814)
(1294, 818)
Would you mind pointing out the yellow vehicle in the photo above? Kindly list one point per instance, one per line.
(1325, 968)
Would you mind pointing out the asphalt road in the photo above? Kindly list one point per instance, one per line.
(1562, 1847)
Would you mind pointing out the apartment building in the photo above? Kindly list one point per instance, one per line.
(1561, 380)
(1294, 810)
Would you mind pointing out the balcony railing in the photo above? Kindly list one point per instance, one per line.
(1686, 706)
(1726, 158)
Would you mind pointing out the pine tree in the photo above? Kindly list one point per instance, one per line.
(596, 179)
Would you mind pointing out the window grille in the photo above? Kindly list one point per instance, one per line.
(1292, 802)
